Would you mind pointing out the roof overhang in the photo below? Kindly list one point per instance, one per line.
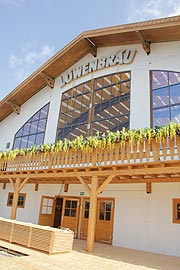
(145, 33)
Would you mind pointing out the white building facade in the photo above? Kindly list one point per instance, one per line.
(137, 220)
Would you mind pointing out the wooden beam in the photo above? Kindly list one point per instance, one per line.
(12, 182)
(104, 184)
(22, 184)
(48, 80)
(145, 43)
(66, 187)
(16, 108)
(15, 198)
(92, 214)
(4, 185)
(148, 188)
(84, 184)
(91, 46)
(36, 187)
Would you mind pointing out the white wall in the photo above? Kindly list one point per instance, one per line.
(141, 221)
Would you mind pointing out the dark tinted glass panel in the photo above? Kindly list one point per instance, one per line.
(108, 215)
(86, 214)
(73, 213)
(68, 204)
(101, 216)
(67, 212)
(10, 199)
(74, 204)
(32, 132)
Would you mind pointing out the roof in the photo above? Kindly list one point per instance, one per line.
(152, 31)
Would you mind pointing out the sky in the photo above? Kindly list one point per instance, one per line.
(34, 30)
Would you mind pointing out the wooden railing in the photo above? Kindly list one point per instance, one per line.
(168, 149)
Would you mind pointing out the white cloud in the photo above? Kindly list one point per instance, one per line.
(145, 10)
(15, 3)
(28, 59)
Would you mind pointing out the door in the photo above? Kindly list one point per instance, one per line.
(46, 211)
(105, 217)
(104, 220)
(58, 212)
(71, 214)
(85, 217)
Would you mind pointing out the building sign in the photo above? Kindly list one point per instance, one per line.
(120, 58)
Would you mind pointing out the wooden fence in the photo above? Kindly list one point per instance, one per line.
(154, 151)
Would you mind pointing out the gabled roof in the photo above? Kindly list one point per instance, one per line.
(153, 31)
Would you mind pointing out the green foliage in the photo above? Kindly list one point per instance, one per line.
(107, 139)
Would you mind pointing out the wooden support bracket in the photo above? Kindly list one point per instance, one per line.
(36, 187)
(92, 47)
(84, 184)
(148, 188)
(48, 80)
(145, 43)
(16, 108)
(4, 185)
(66, 187)
(104, 184)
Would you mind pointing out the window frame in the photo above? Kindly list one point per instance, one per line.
(151, 93)
(34, 133)
(91, 124)
(175, 202)
(20, 194)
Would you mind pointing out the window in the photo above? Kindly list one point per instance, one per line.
(32, 132)
(70, 208)
(165, 97)
(21, 199)
(47, 205)
(176, 210)
(98, 105)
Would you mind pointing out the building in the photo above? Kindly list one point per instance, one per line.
(105, 79)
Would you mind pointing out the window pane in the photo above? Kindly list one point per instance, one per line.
(68, 204)
(43, 210)
(31, 140)
(26, 129)
(17, 143)
(160, 97)
(39, 138)
(175, 114)
(175, 94)
(67, 212)
(159, 79)
(73, 213)
(24, 142)
(161, 117)
(74, 204)
(108, 215)
(49, 210)
(86, 214)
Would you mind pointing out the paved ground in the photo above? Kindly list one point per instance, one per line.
(104, 257)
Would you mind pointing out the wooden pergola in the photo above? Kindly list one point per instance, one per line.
(140, 162)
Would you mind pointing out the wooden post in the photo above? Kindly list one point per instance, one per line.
(15, 198)
(92, 214)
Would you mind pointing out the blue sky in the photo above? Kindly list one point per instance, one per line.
(33, 30)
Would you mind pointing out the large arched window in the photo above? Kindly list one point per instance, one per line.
(32, 132)
(97, 105)
(165, 97)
